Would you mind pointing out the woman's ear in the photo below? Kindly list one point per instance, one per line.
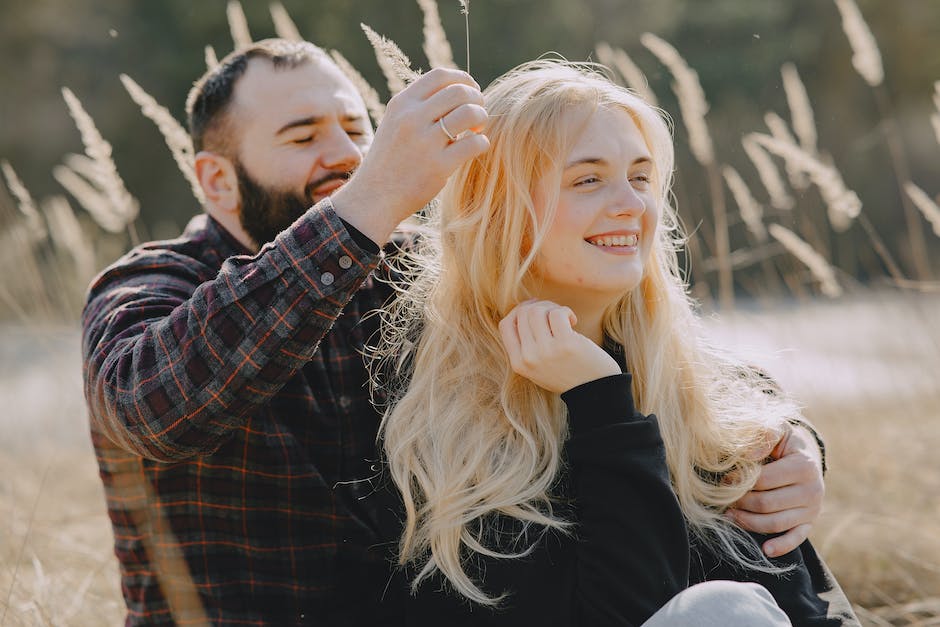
(219, 182)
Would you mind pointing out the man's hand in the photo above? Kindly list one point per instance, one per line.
(412, 155)
(788, 495)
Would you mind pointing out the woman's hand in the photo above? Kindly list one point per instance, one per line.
(544, 347)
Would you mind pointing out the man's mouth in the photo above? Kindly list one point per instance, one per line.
(326, 189)
(328, 184)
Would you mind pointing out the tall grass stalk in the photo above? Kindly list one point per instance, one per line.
(866, 58)
(436, 47)
(212, 60)
(25, 203)
(817, 264)
(176, 137)
(69, 237)
(369, 96)
(465, 10)
(779, 129)
(751, 211)
(693, 107)
(284, 26)
(843, 204)
(19, 557)
(801, 108)
(238, 24)
(105, 174)
(395, 64)
(618, 60)
(24, 291)
(935, 118)
(89, 198)
(926, 204)
(768, 174)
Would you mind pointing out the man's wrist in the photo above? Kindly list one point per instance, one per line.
(362, 212)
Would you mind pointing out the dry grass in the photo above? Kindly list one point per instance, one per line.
(865, 368)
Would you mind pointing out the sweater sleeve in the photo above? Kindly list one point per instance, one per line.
(177, 354)
(632, 549)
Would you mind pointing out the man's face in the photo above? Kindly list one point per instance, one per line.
(302, 131)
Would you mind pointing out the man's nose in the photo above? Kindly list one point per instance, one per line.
(341, 152)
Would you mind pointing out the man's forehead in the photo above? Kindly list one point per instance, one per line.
(315, 87)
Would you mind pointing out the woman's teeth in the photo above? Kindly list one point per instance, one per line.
(615, 240)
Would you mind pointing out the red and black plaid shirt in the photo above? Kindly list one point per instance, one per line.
(231, 420)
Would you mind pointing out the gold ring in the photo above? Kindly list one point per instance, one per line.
(450, 137)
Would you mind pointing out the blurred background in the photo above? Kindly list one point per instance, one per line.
(736, 47)
(848, 318)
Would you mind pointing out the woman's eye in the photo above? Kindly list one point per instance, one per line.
(641, 181)
(587, 180)
(303, 140)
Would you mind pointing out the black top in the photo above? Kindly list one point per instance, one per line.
(629, 551)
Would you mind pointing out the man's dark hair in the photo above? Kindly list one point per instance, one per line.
(209, 99)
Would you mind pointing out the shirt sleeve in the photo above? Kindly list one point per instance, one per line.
(177, 354)
(632, 549)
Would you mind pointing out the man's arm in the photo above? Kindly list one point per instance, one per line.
(174, 362)
(788, 496)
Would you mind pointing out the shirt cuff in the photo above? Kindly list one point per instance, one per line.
(601, 402)
(364, 241)
(324, 254)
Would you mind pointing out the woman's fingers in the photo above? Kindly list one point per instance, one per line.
(561, 321)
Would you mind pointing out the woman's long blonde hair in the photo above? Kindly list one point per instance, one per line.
(465, 438)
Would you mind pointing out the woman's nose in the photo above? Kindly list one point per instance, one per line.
(628, 200)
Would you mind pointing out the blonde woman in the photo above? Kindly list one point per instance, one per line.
(564, 441)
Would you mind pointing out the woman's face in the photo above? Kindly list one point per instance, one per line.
(605, 223)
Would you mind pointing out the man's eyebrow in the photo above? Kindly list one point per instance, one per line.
(307, 121)
(602, 161)
(313, 120)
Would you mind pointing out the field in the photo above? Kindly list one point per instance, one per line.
(865, 363)
(865, 368)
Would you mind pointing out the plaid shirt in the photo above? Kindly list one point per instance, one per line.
(231, 422)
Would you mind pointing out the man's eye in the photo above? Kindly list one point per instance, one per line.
(303, 140)
(354, 133)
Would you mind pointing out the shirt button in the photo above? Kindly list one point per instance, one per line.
(326, 278)
(345, 262)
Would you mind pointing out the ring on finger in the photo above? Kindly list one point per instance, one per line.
(451, 138)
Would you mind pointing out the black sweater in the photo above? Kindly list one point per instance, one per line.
(629, 551)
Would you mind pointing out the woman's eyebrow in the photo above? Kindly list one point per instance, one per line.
(601, 161)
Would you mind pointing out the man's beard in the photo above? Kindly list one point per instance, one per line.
(266, 211)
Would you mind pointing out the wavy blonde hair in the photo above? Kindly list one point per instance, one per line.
(466, 439)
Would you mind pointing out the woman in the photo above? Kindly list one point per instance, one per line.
(538, 485)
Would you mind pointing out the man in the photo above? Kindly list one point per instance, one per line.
(227, 394)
